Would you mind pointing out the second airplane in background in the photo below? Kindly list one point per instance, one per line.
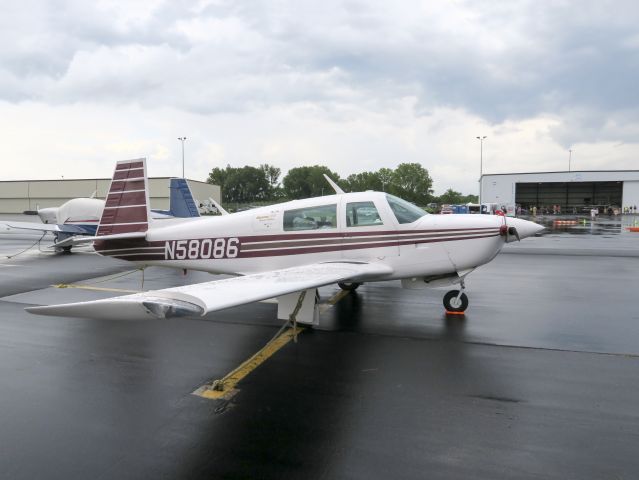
(80, 216)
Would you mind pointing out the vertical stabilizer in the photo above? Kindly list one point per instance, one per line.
(182, 202)
(126, 208)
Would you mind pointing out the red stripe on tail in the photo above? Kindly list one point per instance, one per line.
(126, 208)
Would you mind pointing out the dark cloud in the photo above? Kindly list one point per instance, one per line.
(502, 61)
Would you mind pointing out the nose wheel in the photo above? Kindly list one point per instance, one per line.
(456, 301)
(348, 286)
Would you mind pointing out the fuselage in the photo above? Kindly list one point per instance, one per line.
(355, 227)
(84, 213)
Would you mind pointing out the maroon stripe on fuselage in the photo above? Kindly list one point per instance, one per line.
(138, 258)
(293, 236)
(339, 247)
(122, 247)
(124, 243)
(113, 252)
(321, 241)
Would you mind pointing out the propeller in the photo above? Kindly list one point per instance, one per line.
(513, 231)
(509, 232)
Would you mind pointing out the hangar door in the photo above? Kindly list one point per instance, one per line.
(568, 194)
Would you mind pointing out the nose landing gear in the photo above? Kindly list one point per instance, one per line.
(348, 286)
(456, 301)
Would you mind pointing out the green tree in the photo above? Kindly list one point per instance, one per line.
(411, 182)
(305, 182)
(451, 197)
(218, 176)
(272, 175)
(360, 182)
(385, 176)
(244, 184)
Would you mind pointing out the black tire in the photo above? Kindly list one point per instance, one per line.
(348, 286)
(450, 298)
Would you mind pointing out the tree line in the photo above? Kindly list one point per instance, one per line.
(410, 181)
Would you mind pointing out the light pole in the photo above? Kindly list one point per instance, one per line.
(481, 164)
(569, 157)
(182, 139)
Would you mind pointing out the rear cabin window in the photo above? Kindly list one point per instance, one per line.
(362, 214)
(404, 211)
(310, 218)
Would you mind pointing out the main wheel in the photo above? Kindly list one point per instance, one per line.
(453, 304)
(348, 286)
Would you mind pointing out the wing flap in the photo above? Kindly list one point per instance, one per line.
(202, 298)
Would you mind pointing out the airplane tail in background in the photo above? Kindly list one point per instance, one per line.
(182, 203)
(126, 209)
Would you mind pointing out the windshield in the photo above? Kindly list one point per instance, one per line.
(404, 211)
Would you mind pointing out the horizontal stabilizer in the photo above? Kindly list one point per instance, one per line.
(72, 241)
(218, 206)
(202, 298)
(41, 227)
(71, 229)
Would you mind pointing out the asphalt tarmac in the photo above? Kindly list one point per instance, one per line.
(540, 379)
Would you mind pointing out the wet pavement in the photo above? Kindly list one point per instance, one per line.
(539, 380)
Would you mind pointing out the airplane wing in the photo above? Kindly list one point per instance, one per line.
(202, 298)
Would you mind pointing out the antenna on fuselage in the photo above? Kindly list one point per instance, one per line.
(333, 184)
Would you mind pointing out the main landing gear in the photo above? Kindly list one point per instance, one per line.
(456, 301)
(348, 286)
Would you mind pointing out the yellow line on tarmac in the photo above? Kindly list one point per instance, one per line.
(333, 300)
(225, 387)
(99, 289)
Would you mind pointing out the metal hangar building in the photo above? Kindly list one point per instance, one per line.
(17, 196)
(575, 189)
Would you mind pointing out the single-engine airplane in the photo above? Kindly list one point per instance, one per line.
(288, 250)
(80, 216)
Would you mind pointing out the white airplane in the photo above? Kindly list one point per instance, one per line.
(286, 251)
(80, 216)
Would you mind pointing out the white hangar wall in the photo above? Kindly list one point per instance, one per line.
(17, 196)
(502, 188)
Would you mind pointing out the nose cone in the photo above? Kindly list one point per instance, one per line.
(524, 227)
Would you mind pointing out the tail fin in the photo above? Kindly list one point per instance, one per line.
(126, 208)
(182, 203)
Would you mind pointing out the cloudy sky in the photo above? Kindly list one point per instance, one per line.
(354, 85)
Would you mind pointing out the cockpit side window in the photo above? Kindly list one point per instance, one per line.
(311, 218)
(404, 211)
(361, 214)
